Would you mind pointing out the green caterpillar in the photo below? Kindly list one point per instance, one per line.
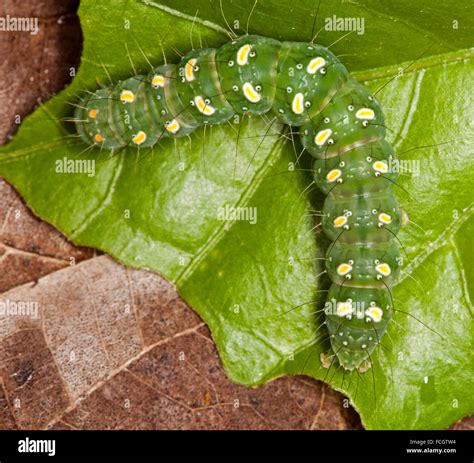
(341, 126)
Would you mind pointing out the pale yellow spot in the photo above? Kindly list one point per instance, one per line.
(322, 137)
(203, 107)
(139, 138)
(344, 269)
(340, 221)
(99, 138)
(383, 269)
(243, 55)
(315, 65)
(250, 93)
(405, 218)
(333, 175)
(189, 69)
(158, 81)
(127, 96)
(365, 113)
(93, 113)
(385, 218)
(380, 166)
(173, 126)
(343, 309)
(298, 104)
(375, 313)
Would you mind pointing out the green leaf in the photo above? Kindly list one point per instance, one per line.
(160, 208)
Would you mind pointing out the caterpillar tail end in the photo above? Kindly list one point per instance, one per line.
(347, 361)
(356, 319)
(351, 360)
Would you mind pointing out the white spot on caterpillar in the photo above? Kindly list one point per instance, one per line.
(250, 93)
(374, 313)
(204, 107)
(172, 126)
(243, 55)
(322, 136)
(343, 269)
(298, 104)
(383, 269)
(189, 69)
(365, 113)
(333, 175)
(315, 64)
(139, 138)
(127, 96)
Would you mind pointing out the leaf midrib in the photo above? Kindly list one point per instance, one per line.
(10, 156)
(195, 19)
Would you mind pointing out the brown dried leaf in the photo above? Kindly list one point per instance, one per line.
(116, 348)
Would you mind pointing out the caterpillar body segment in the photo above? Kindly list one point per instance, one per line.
(341, 125)
(248, 72)
(359, 169)
(308, 77)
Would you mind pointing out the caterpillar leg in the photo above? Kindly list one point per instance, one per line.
(325, 358)
(365, 366)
